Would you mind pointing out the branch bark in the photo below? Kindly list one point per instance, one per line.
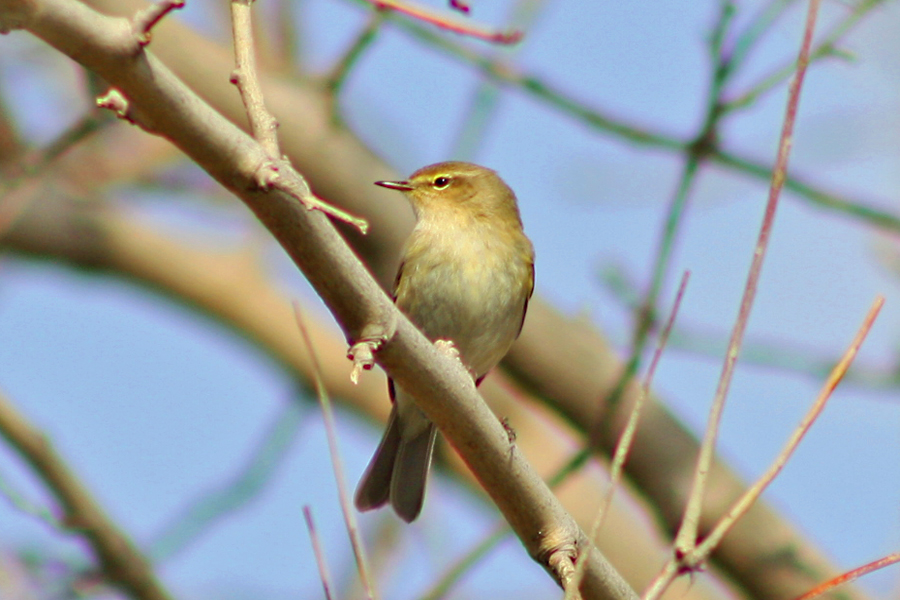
(160, 102)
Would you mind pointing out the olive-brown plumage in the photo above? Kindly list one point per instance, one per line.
(466, 275)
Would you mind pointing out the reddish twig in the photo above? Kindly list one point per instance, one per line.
(695, 557)
(450, 23)
(755, 491)
(687, 535)
(147, 18)
(852, 575)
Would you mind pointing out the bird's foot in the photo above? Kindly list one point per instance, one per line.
(447, 348)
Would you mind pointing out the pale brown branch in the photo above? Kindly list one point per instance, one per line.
(263, 125)
(121, 563)
(345, 285)
(561, 359)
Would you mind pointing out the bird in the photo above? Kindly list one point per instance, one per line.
(465, 277)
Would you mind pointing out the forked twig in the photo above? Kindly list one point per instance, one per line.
(144, 21)
(753, 492)
(277, 171)
(685, 541)
(693, 558)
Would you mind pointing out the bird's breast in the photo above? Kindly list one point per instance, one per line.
(466, 286)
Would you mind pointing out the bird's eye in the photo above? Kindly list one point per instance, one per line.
(441, 182)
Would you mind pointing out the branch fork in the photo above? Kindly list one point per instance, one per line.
(144, 21)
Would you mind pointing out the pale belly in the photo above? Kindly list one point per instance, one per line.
(477, 304)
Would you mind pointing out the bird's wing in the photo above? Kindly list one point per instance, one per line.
(527, 297)
(397, 281)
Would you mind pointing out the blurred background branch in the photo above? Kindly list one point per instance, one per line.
(80, 198)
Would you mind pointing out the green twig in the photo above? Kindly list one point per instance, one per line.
(486, 98)
(501, 73)
(825, 48)
(470, 559)
(240, 490)
(336, 79)
(26, 506)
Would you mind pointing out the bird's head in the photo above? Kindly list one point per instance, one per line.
(458, 187)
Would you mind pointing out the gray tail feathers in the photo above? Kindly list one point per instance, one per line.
(398, 471)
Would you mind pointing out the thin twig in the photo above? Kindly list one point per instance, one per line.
(263, 125)
(79, 131)
(225, 499)
(537, 87)
(468, 560)
(825, 47)
(26, 506)
(335, 80)
(277, 172)
(336, 462)
(623, 447)
(686, 539)
(321, 563)
(756, 29)
(851, 575)
(692, 559)
(750, 496)
(449, 22)
(144, 21)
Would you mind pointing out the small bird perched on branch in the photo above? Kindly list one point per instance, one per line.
(466, 275)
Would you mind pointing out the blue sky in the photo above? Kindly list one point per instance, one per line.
(155, 406)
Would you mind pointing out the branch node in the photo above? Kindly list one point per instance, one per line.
(116, 101)
(144, 21)
(561, 563)
(267, 175)
(362, 352)
(292, 183)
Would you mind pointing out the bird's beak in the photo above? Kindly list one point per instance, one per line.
(403, 186)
